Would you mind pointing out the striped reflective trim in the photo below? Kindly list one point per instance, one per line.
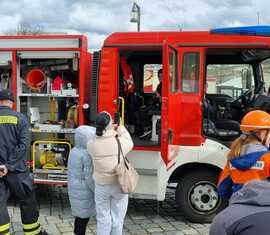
(35, 232)
(31, 226)
(259, 165)
(8, 120)
(4, 227)
(261, 127)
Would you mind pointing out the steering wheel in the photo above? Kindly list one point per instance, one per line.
(246, 98)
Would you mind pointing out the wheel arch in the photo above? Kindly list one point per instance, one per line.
(182, 170)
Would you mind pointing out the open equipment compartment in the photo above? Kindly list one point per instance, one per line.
(49, 76)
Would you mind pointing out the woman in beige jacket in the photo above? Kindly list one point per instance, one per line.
(111, 202)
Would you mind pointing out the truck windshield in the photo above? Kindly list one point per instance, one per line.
(229, 79)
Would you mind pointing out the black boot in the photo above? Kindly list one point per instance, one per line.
(43, 232)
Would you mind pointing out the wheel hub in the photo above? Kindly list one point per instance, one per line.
(203, 197)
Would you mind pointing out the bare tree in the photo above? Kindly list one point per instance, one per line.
(25, 29)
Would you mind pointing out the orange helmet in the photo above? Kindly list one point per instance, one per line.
(255, 120)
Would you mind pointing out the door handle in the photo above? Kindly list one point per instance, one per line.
(122, 100)
(170, 136)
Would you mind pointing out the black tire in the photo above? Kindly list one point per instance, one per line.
(197, 198)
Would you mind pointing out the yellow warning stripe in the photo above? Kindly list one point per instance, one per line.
(4, 227)
(35, 232)
(31, 226)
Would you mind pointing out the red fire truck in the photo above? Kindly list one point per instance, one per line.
(181, 136)
(210, 80)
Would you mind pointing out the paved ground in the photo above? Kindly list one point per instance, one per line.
(142, 217)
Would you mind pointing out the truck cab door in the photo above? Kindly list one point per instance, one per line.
(192, 90)
(182, 94)
(170, 99)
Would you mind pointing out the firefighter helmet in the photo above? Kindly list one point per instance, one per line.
(255, 120)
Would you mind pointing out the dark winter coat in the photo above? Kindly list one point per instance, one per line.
(14, 136)
(248, 212)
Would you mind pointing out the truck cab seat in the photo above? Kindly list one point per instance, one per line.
(222, 129)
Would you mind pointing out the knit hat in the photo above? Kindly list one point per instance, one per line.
(6, 95)
(103, 122)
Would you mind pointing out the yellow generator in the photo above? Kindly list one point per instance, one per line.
(50, 154)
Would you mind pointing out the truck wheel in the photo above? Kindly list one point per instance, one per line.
(197, 197)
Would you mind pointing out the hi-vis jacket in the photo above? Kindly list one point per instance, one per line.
(14, 136)
(249, 166)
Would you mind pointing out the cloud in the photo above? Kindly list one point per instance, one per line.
(99, 18)
(9, 22)
(96, 18)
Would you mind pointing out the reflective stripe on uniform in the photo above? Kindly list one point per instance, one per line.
(258, 165)
(32, 229)
(31, 226)
(35, 232)
(8, 120)
(4, 227)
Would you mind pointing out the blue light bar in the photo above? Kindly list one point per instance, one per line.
(261, 30)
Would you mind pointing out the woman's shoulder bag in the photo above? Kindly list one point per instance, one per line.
(127, 175)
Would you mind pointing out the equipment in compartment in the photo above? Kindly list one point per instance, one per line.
(58, 116)
(47, 126)
(69, 90)
(4, 80)
(52, 176)
(34, 115)
(35, 79)
(50, 154)
(57, 85)
(49, 76)
(60, 87)
(72, 117)
(48, 94)
(57, 80)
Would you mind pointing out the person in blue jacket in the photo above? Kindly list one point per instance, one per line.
(80, 180)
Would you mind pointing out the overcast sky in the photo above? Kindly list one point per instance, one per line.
(98, 18)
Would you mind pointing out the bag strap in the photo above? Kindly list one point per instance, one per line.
(118, 145)
(120, 152)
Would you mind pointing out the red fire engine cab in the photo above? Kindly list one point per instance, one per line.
(181, 136)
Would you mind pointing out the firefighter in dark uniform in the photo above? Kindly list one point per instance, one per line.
(14, 173)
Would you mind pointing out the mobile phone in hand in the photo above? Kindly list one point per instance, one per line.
(117, 118)
(2, 169)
